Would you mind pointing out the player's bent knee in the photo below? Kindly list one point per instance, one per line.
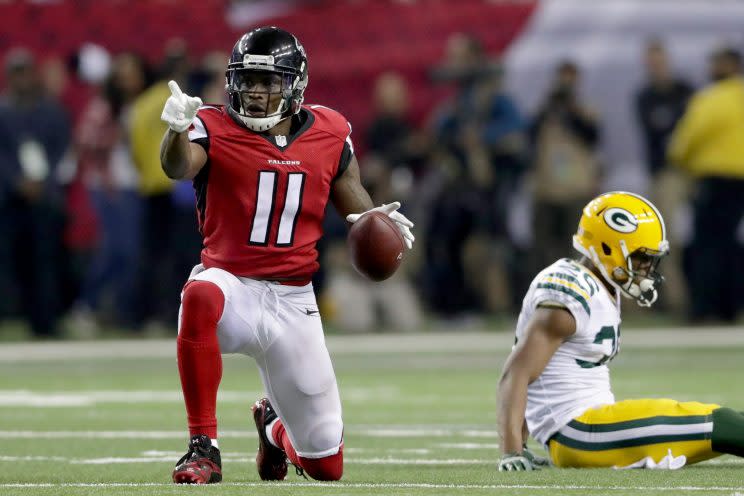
(324, 461)
(325, 436)
(202, 305)
(329, 468)
(203, 297)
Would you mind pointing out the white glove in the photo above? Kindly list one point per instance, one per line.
(180, 108)
(537, 461)
(514, 462)
(391, 210)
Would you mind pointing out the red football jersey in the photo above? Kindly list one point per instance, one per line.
(261, 199)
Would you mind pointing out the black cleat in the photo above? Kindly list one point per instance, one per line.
(270, 460)
(202, 464)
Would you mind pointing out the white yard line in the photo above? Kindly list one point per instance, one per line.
(53, 399)
(113, 434)
(725, 461)
(454, 342)
(4, 458)
(420, 461)
(169, 456)
(11, 398)
(399, 432)
(402, 485)
(423, 431)
(469, 446)
(243, 459)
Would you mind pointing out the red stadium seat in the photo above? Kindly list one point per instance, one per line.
(344, 61)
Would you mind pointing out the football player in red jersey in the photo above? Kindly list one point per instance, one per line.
(264, 166)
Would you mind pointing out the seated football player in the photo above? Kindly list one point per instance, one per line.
(556, 384)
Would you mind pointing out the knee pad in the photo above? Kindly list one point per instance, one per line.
(202, 305)
(324, 438)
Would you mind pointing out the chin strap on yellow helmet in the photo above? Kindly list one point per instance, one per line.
(643, 288)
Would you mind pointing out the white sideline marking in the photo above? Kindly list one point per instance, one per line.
(33, 459)
(154, 456)
(52, 399)
(410, 432)
(114, 459)
(113, 434)
(57, 399)
(402, 485)
(350, 461)
(348, 450)
(469, 446)
(724, 461)
(425, 432)
(243, 459)
(419, 461)
(413, 451)
(447, 342)
(158, 453)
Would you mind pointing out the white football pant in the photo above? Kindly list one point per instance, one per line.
(280, 327)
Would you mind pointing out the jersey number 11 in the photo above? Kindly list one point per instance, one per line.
(265, 199)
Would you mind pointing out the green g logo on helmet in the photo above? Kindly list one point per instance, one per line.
(620, 220)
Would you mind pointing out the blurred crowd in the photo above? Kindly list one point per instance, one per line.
(97, 236)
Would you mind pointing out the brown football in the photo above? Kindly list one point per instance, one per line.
(376, 246)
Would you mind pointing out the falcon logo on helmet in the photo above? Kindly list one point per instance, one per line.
(624, 235)
(276, 55)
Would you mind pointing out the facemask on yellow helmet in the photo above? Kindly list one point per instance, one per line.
(624, 235)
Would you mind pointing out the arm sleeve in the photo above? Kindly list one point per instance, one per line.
(554, 290)
(346, 155)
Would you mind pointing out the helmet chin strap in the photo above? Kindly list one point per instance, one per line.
(645, 294)
(261, 124)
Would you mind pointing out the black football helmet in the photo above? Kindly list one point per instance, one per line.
(269, 50)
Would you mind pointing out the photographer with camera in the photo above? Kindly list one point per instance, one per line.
(480, 140)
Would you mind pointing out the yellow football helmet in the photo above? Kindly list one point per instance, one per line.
(624, 235)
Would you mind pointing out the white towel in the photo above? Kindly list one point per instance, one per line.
(669, 462)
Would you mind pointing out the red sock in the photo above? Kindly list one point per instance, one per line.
(279, 433)
(199, 358)
(329, 468)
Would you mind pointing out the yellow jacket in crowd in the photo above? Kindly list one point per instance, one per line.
(709, 139)
(146, 132)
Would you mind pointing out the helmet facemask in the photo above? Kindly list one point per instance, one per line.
(640, 279)
(270, 80)
(256, 113)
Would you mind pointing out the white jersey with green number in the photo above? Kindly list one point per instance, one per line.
(577, 377)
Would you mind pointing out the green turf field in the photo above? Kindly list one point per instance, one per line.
(106, 418)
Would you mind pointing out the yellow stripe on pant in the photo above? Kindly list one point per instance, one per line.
(630, 430)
